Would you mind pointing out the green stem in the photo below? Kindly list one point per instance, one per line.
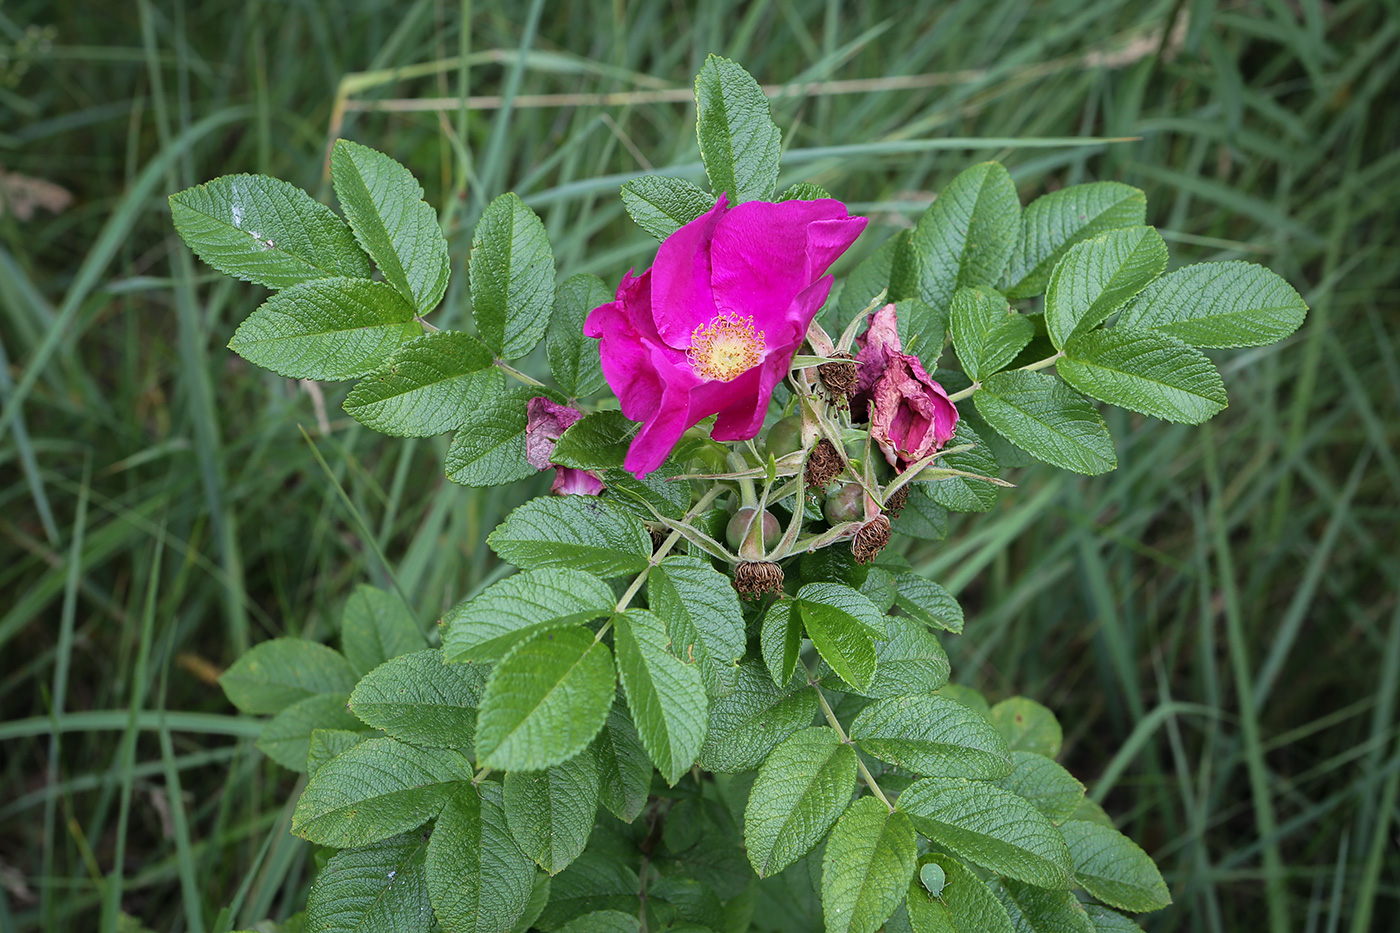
(1029, 368)
(509, 370)
(846, 740)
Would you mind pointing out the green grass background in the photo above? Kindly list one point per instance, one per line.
(1216, 623)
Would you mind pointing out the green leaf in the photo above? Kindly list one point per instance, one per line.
(329, 329)
(838, 600)
(603, 921)
(489, 447)
(593, 882)
(512, 277)
(986, 333)
(1109, 921)
(375, 790)
(384, 204)
(739, 143)
(419, 699)
(328, 743)
(263, 230)
(550, 813)
(624, 770)
(275, 674)
(922, 517)
(965, 905)
(376, 626)
(432, 384)
(489, 624)
(910, 660)
(1047, 419)
(803, 786)
(539, 898)
(379, 887)
(780, 639)
(1218, 304)
(686, 904)
(927, 602)
(803, 191)
(922, 330)
(573, 358)
(1113, 868)
(545, 700)
(867, 866)
(867, 279)
(662, 205)
(577, 532)
(286, 739)
(656, 492)
(702, 616)
(665, 694)
(1096, 277)
(479, 880)
(597, 441)
(1036, 910)
(1145, 372)
(1054, 222)
(967, 235)
(968, 697)
(1027, 726)
(755, 716)
(1050, 788)
(989, 826)
(930, 734)
(960, 493)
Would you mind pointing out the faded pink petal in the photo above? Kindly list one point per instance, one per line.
(910, 414)
(545, 422)
(881, 338)
(712, 327)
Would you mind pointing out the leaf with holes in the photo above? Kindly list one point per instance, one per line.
(263, 230)
(545, 700)
(384, 204)
(802, 787)
(1048, 420)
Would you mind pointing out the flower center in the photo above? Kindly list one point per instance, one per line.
(726, 347)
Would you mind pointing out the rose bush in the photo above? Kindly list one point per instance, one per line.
(711, 327)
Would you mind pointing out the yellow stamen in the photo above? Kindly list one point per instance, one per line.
(726, 347)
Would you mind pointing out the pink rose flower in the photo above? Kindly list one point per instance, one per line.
(545, 422)
(910, 414)
(712, 326)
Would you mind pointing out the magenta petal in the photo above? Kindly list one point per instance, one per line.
(680, 278)
(911, 415)
(571, 482)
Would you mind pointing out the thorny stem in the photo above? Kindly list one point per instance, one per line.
(846, 740)
(1029, 367)
(517, 374)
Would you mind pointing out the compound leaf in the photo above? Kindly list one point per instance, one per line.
(419, 699)
(1146, 372)
(739, 143)
(1096, 277)
(802, 787)
(1218, 304)
(701, 611)
(665, 695)
(512, 277)
(430, 385)
(577, 532)
(489, 624)
(1054, 222)
(867, 866)
(967, 235)
(1047, 419)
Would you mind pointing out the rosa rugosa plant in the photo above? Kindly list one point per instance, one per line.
(611, 738)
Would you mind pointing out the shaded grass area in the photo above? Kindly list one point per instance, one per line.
(1215, 623)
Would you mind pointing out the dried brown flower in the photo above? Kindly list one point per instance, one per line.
(753, 578)
(871, 539)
